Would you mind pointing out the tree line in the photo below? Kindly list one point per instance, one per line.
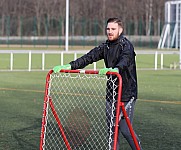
(87, 17)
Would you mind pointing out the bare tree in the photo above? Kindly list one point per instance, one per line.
(3, 7)
(38, 10)
(86, 16)
(158, 15)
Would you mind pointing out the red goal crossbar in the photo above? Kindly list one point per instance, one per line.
(50, 106)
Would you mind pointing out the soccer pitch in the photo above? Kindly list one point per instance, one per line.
(156, 120)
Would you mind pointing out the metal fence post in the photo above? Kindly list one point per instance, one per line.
(156, 61)
(11, 61)
(161, 61)
(43, 61)
(29, 64)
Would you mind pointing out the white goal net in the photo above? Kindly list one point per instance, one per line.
(77, 113)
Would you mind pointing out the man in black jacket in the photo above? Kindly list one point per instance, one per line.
(119, 56)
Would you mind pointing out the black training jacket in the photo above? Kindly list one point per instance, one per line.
(117, 54)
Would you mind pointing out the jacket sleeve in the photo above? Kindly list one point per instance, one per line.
(125, 56)
(94, 55)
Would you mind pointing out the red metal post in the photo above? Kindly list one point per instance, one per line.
(59, 125)
(44, 110)
(120, 105)
(129, 126)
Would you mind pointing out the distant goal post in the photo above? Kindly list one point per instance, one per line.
(76, 111)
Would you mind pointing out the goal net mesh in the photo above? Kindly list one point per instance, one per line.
(76, 113)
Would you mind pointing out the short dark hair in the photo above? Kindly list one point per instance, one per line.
(116, 20)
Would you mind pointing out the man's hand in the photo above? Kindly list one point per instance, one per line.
(105, 70)
(58, 68)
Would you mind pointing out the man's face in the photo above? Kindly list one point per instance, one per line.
(113, 31)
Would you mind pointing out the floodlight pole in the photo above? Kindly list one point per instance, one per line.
(67, 27)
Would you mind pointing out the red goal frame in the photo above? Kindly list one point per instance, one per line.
(120, 106)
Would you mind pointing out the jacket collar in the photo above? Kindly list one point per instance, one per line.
(116, 41)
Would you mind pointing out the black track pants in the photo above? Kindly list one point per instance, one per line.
(123, 127)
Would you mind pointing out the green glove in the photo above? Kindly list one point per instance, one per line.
(105, 70)
(58, 68)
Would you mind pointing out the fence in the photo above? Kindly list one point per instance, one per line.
(41, 60)
(32, 31)
(81, 40)
(55, 26)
